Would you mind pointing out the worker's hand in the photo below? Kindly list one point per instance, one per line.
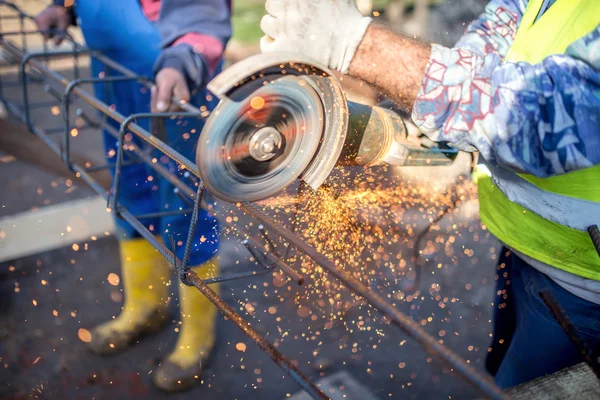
(328, 31)
(169, 82)
(54, 18)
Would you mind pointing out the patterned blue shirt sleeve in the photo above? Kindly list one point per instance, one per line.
(541, 119)
(495, 29)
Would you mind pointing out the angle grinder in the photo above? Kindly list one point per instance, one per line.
(282, 117)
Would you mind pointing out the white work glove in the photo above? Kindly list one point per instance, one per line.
(328, 31)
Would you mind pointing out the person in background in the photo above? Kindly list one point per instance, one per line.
(522, 87)
(180, 43)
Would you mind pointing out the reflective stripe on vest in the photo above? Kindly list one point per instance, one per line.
(574, 213)
(546, 218)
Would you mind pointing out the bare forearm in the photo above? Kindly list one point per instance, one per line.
(393, 63)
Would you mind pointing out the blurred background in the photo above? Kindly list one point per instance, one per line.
(59, 265)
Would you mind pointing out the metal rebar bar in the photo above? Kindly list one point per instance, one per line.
(42, 104)
(292, 273)
(31, 58)
(103, 167)
(160, 214)
(192, 231)
(66, 103)
(273, 247)
(594, 232)
(269, 259)
(236, 276)
(561, 316)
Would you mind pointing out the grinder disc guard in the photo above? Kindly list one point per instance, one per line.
(280, 117)
(261, 137)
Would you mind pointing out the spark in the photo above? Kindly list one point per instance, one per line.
(355, 224)
(257, 102)
(113, 279)
(240, 347)
(84, 335)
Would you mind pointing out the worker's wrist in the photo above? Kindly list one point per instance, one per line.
(189, 63)
(67, 7)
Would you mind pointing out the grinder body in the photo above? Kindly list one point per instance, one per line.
(378, 135)
(281, 118)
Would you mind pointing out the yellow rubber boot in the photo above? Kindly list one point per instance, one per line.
(182, 368)
(145, 276)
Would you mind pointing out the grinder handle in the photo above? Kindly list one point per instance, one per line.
(379, 136)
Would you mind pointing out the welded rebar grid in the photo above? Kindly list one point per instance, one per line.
(69, 89)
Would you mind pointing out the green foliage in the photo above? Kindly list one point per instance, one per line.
(246, 20)
(248, 13)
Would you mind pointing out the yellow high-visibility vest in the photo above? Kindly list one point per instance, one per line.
(539, 220)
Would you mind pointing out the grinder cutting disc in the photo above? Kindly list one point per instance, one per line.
(260, 138)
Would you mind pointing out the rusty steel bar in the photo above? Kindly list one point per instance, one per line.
(295, 275)
(66, 100)
(270, 258)
(594, 232)
(561, 316)
(236, 276)
(272, 246)
(25, 61)
(263, 344)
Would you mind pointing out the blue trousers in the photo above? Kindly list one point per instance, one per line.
(528, 342)
(121, 31)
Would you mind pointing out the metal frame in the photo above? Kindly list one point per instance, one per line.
(264, 252)
(67, 101)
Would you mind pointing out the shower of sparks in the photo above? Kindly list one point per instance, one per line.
(367, 224)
